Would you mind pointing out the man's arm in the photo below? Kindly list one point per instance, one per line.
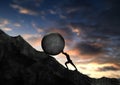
(64, 53)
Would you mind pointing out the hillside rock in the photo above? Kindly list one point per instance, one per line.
(105, 81)
(21, 64)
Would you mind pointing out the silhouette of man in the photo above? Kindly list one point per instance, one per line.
(68, 60)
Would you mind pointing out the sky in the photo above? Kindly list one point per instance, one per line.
(91, 29)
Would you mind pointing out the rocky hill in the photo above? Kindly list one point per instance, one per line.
(21, 64)
(105, 81)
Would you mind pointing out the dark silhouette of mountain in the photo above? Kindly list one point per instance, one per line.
(21, 64)
(105, 81)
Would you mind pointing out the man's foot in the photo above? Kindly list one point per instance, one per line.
(75, 70)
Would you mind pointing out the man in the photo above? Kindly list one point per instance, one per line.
(68, 60)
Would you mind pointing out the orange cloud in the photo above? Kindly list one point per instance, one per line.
(73, 52)
(75, 29)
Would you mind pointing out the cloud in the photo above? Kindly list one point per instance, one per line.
(17, 25)
(94, 26)
(37, 28)
(23, 10)
(6, 29)
(52, 11)
(62, 16)
(3, 22)
(88, 48)
(91, 30)
(102, 47)
(103, 19)
(109, 20)
(108, 68)
(75, 29)
(91, 69)
(72, 10)
(29, 7)
(77, 8)
(64, 31)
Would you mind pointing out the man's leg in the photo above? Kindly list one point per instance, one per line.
(73, 65)
(66, 64)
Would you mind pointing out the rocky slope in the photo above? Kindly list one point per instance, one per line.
(21, 64)
(105, 81)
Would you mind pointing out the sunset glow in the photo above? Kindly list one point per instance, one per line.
(91, 29)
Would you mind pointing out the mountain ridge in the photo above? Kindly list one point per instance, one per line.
(21, 64)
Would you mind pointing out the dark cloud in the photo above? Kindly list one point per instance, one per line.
(103, 60)
(91, 27)
(88, 48)
(28, 4)
(108, 68)
(103, 29)
(64, 31)
(109, 19)
(102, 15)
(25, 1)
(97, 21)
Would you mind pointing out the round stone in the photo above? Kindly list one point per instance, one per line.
(53, 43)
